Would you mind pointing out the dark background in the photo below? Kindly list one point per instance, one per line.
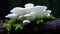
(7, 5)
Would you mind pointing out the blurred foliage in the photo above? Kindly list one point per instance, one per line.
(41, 20)
(18, 26)
(13, 23)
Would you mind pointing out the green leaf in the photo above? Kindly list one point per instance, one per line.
(17, 26)
(11, 21)
(7, 26)
(50, 17)
(39, 21)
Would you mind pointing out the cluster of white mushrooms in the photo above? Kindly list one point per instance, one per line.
(29, 13)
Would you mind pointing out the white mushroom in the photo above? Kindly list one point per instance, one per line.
(25, 22)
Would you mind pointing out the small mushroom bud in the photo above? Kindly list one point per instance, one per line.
(25, 22)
